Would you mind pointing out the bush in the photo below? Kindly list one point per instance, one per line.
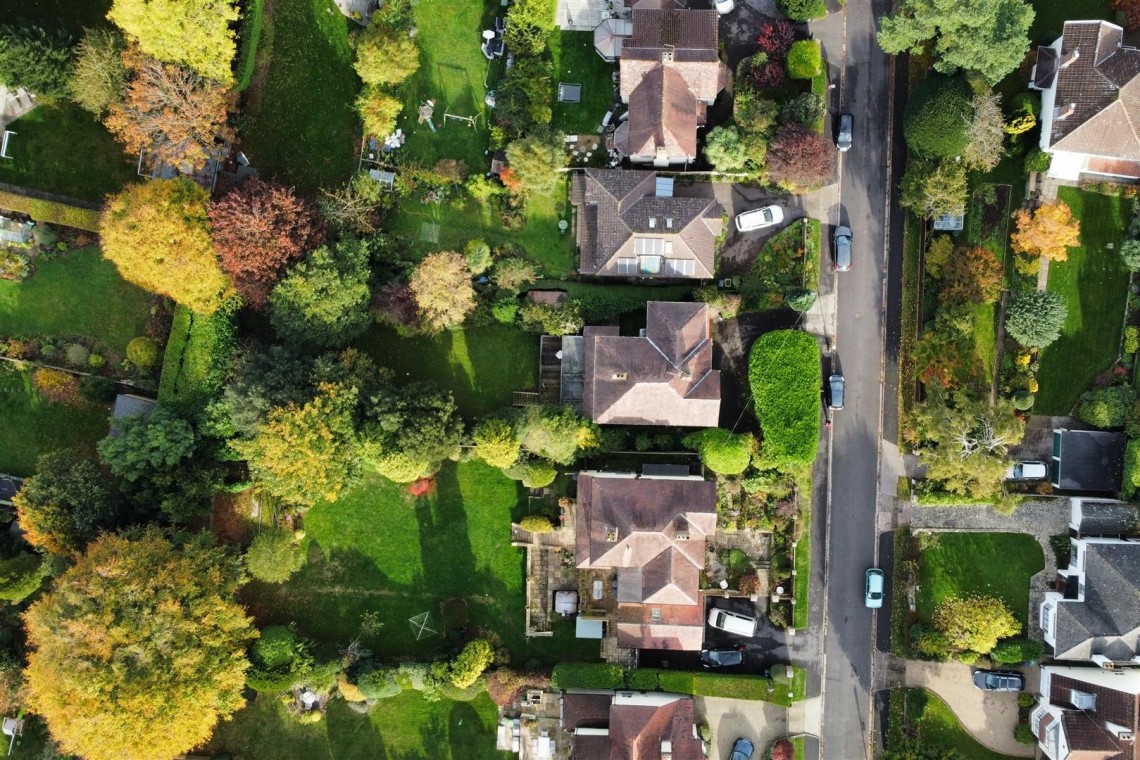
(52, 212)
(1131, 340)
(1025, 700)
(77, 354)
(1035, 318)
(642, 679)
(142, 352)
(586, 675)
(801, 300)
(1131, 480)
(274, 556)
(803, 10)
(277, 660)
(721, 451)
(782, 750)
(1130, 254)
(505, 310)
(784, 375)
(534, 473)
(1106, 407)
(536, 524)
(97, 390)
(1016, 651)
(471, 662)
(804, 59)
(378, 684)
(938, 116)
(1038, 160)
(20, 576)
(1023, 733)
(1023, 401)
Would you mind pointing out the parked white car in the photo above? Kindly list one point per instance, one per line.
(759, 218)
(1027, 471)
(725, 6)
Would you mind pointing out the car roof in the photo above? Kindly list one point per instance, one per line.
(842, 231)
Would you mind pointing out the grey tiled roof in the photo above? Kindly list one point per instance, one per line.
(1107, 518)
(1092, 461)
(1108, 620)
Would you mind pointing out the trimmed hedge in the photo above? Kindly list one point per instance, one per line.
(803, 10)
(937, 117)
(805, 59)
(587, 675)
(721, 451)
(581, 675)
(1131, 478)
(198, 356)
(249, 35)
(783, 369)
(52, 212)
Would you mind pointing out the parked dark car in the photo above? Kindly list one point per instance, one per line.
(741, 750)
(844, 135)
(999, 680)
(722, 658)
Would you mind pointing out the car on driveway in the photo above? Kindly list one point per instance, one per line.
(732, 622)
(843, 136)
(837, 385)
(759, 218)
(725, 6)
(873, 588)
(741, 750)
(999, 680)
(1027, 471)
(842, 239)
(722, 658)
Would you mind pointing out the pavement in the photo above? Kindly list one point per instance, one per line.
(990, 717)
(730, 719)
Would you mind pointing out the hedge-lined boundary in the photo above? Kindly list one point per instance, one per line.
(784, 372)
(77, 214)
(778, 689)
(249, 35)
(197, 358)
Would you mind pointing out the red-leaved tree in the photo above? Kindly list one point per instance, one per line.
(258, 228)
(799, 159)
(782, 750)
(776, 39)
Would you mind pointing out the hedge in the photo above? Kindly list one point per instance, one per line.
(937, 117)
(804, 59)
(803, 10)
(52, 212)
(721, 451)
(587, 675)
(1131, 478)
(785, 378)
(198, 356)
(249, 35)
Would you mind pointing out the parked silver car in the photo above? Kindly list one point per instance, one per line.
(999, 680)
(842, 240)
(873, 588)
(837, 384)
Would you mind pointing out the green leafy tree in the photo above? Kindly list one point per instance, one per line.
(523, 97)
(167, 614)
(466, 668)
(938, 254)
(274, 556)
(805, 59)
(378, 110)
(21, 576)
(513, 274)
(198, 34)
(806, 108)
(441, 284)
(142, 352)
(1107, 407)
(721, 451)
(725, 150)
(990, 37)
(529, 23)
(323, 300)
(68, 502)
(751, 112)
(409, 431)
(803, 10)
(478, 256)
(563, 319)
(1035, 318)
(99, 77)
(537, 162)
(386, 55)
(974, 624)
(533, 473)
(931, 188)
(556, 433)
(938, 116)
(36, 58)
(496, 443)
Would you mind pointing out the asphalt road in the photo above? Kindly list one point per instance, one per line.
(856, 431)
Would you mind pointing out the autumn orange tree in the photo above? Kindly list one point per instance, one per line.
(258, 228)
(1050, 231)
(139, 649)
(971, 275)
(442, 287)
(170, 112)
(158, 236)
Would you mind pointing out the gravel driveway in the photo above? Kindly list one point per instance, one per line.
(761, 722)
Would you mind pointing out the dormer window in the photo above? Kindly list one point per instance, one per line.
(652, 223)
(1082, 700)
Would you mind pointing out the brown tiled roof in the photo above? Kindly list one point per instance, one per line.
(664, 378)
(1097, 79)
(1084, 730)
(590, 748)
(663, 115)
(661, 23)
(678, 638)
(580, 710)
(636, 731)
(616, 205)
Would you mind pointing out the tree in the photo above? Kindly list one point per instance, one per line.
(323, 300)
(556, 433)
(725, 151)
(442, 287)
(799, 159)
(496, 443)
(803, 10)
(971, 276)
(990, 37)
(478, 256)
(751, 112)
(162, 612)
(548, 319)
(938, 116)
(471, 662)
(974, 624)
(197, 34)
(513, 274)
(533, 473)
(35, 58)
(1050, 231)
(407, 432)
(537, 161)
(386, 55)
(67, 503)
(158, 237)
(21, 576)
(721, 451)
(1130, 255)
(274, 556)
(806, 108)
(305, 454)
(378, 110)
(805, 59)
(171, 113)
(354, 207)
(938, 254)
(931, 188)
(99, 77)
(529, 23)
(1036, 318)
(1107, 407)
(986, 134)
(259, 227)
(523, 97)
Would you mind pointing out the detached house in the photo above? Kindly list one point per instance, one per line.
(630, 225)
(670, 74)
(647, 535)
(1087, 713)
(1090, 102)
(630, 725)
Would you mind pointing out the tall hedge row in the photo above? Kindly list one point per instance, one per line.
(783, 369)
(51, 212)
(198, 356)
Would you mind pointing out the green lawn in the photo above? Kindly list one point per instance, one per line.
(33, 427)
(77, 294)
(992, 564)
(60, 148)
(577, 62)
(1094, 284)
(482, 366)
(985, 336)
(404, 727)
(935, 724)
(304, 126)
(380, 550)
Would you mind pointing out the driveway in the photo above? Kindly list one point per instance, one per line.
(989, 717)
(760, 722)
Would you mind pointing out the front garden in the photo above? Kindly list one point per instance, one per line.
(917, 719)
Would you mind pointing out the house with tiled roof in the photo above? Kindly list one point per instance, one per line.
(649, 532)
(629, 224)
(662, 377)
(1090, 102)
(1087, 713)
(670, 73)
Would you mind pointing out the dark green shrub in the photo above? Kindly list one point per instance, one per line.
(274, 556)
(586, 675)
(278, 659)
(642, 679)
(937, 117)
(803, 10)
(536, 524)
(1035, 318)
(534, 473)
(97, 390)
(1131, 480)
(1015, 651)
(20, 576)
(804, 59)
(505, 310)
(378, 684)
(785, 378)
(1038, 160)
(1023, 401)
(801, 300)
(1025, 700)
(1023, 733)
